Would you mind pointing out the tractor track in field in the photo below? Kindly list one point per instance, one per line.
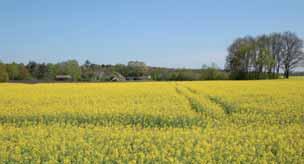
(194, 104)
(227, 107)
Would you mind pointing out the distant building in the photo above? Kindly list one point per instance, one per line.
(118, 77)
(63, 77)
(143, 78)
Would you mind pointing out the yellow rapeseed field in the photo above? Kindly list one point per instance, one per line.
(153, 122)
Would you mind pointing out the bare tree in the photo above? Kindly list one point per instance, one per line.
(292, 54)
(277, 50)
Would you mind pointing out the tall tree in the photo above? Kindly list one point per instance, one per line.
(265, 59)
(241, 57)
(276, 50)
(292, 54)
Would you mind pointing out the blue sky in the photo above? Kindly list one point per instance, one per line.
(167, 33)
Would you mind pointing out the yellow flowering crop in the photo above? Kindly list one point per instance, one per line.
(153, 122)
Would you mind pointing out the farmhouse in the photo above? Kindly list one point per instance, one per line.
(63, 78)
(118, 77)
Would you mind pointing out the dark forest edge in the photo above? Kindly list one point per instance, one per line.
(249, 58)
(265, 56)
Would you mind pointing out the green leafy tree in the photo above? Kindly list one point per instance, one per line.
(212, 73)
(70, 67)
(137, 68)
(13, 71)
(23, 73)
(3, 73)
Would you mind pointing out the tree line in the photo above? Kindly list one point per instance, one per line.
(38, 71)
(264, 56)
(134, 70)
